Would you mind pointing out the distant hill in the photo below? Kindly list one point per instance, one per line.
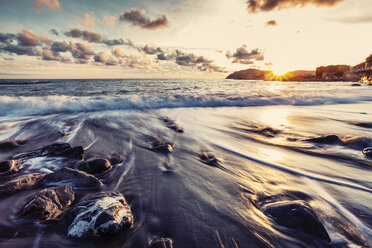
(322, 73)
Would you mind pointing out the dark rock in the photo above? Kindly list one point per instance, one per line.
(171, 124)
(115, 159)
(49, 203)
(356, 85)
(100, 214)
(175, 127)
(94, 165)
(267, 131)
(298, 216)
(160, 146)
(209, 159)
(363, 124)
(68, 176)
(7, 145)
(54, 150)
(329, 139)
(358, 143)
(161, 243)
(10, 166)
(368, 151)
(19, 184)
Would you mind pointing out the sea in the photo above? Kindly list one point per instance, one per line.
(267, 144)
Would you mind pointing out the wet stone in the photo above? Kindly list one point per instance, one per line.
(10, 166)
(94, 165)
(54, 150)
(171, 124)
(49, 203)
(68, 176)
(368, 151)
(19, 184)
(160, 146)
(161, 243)
(100, 214)
(7, 145)
(329, 139)
(298, 216)
(209, 159)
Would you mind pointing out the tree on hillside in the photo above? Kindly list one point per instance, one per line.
(369, 60)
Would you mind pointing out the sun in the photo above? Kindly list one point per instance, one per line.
(279, 71)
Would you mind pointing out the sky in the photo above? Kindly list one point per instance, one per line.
(179, 38)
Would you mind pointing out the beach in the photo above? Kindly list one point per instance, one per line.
(201, 163)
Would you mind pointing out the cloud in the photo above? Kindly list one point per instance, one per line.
(54, 31)
(243, 56)
(268, 5)
(138, 18)
(88, 21)
(47, 54)
(58, 47)
(20, 50)
(151, 49)
(271, 23)
(118, 52)
(105, 58)
(81, 52)
(7, 38)
(29, 38)
(109, 21)
(85, 35)
(53, 5)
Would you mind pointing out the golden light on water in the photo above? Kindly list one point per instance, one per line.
(271, 155)
(275, 118)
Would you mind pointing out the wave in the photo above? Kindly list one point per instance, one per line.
(23, 105)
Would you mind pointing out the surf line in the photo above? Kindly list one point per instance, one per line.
(290, 171)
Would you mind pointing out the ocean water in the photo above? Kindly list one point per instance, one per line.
(258, 131)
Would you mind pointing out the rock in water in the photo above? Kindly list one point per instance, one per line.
(19, 184)
(161, 243)
(100, 214)
(7, 145)
(297, 216)
(68, 176)
(10, 166)
(329, 139)
(49, 203)
(94, 165)
(54, 150)
(368, 151)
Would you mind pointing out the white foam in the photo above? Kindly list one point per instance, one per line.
(21, 106)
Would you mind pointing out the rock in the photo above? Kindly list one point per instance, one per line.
(94, 165)
(171, 124)
(363, 124)
(54, 150)
(209, 159)
(358, 143)
(161, 243)
(68, 176)
(175, 127)
(100, 214)
(49, 203)
(160, 146)
(19, 184)
(7, 145)
(115, 159)
(368, 151)
(356, 85)
(298, 216)
(329, 139)
(10, 166)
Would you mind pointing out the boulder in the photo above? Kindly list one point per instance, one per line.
(100, 214)
(94, 165)
(19, 184)
(49, 203)
(54, 150)
(298, 216)
(68, 176)
(160, 146)
(10, 166)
